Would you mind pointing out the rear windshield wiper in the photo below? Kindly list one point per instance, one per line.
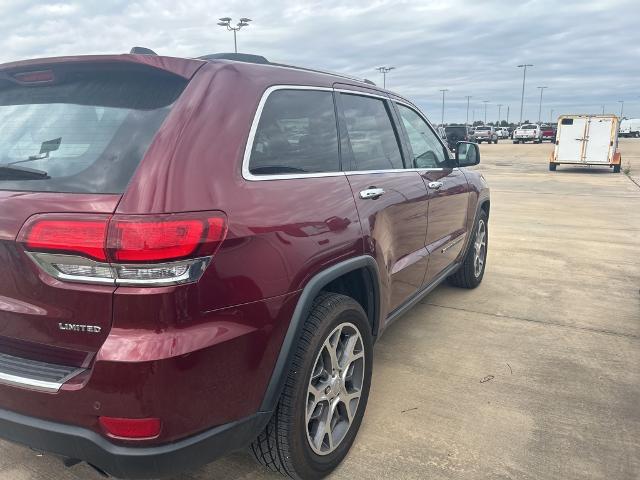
(12, 172)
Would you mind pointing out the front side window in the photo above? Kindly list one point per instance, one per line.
(296, 134)
(427, 150)
(371, 133)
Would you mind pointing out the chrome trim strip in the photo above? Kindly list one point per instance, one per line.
(358, 92)
(51, 387)
(453, 244)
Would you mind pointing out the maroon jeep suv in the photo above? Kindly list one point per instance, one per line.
(197, 255)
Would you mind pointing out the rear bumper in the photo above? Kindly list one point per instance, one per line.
(125, 461)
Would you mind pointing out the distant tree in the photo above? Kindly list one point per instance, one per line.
(504, 123)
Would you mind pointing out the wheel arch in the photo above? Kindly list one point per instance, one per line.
(338, 278)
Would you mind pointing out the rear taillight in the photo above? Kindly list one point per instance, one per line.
(124, 250)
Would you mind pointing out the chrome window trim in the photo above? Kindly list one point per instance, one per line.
(246, 173)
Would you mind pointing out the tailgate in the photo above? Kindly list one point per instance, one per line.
(73, 135)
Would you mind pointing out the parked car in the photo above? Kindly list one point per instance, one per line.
(548, 132)
(630, 127)
(587, 140)
(195, 259)
(527, 133)
(455, 134)
(503, 132)
(485, 133)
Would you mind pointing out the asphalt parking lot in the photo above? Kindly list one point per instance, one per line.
(533, 375)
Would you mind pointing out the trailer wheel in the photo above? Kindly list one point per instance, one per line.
(616, 168)
(552, 167)
(516, 141)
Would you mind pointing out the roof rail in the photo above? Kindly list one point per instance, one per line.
(142, 51)
(250, 58)
(238, 57)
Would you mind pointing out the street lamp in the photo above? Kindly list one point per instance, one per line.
(468, 97)
(621, 102)
(551, 116)
(384, 71)
(524, 78)
(499, 112)
(508, 108)
(540, 107)
(226, 22)
(603, 109)
(443, 90)
(485, 110)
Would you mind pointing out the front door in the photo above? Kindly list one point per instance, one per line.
(447, 188)
(391, 201)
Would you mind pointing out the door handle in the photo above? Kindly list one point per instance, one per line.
(371, 193)
(436, 185)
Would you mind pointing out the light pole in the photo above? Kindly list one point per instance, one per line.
(384, 71)
(621, 102)
(524, 78)
(443, 90)
(499, 112)
(508, 108)
(540, 107)
(485, 110)
(551, 116)
(468, 97)
(226, 22)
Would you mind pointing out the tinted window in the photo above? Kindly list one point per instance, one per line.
(296, 134)
(529, 127)
(85, 133)
(373, 139)
(427, 150)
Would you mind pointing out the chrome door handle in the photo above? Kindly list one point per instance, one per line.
(436, 185)
(371, 193)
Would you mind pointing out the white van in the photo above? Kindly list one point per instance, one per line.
(630, 127)
(587, 140)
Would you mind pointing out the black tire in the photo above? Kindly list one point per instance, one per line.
(516, 141)
(465, 276)
(552, 167)
(284, 447)
(616, 168)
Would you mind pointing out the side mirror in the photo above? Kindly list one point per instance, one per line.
(467, 154)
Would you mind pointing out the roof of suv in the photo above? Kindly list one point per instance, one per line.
(187, 67)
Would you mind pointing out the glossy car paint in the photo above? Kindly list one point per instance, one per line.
(201, 355)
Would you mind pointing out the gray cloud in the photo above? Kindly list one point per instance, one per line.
(586, 52)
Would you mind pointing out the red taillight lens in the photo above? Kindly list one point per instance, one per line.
(67, 234)
(155, 239)
(131, 428)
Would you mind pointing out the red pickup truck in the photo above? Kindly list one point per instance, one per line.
(548, 132)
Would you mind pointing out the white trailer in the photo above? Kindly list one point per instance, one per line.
(587, 140)
(630, 127)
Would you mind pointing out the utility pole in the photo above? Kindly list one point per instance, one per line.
(508, 108)
(540, 107)
(621, 102)
(524, 79)
(468, 97)
(226, 22)
(551, 116)
(485, 110)
(603, 109)
(499, 112)
(384, 71)
(443, 90)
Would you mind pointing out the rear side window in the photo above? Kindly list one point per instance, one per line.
(371, 133)
(84, 133)
(296, 133)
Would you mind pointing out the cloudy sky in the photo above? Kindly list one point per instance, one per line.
(587, 52)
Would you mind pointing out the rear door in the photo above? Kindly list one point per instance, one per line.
(571, 140)
(391, 201)
(70, 143)
(599, 145)
(447, 189)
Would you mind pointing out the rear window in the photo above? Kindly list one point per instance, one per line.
(84, 133)
(528, 127)
(482, 129)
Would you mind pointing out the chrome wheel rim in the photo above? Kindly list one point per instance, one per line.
(334, 389)
(480, 248)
